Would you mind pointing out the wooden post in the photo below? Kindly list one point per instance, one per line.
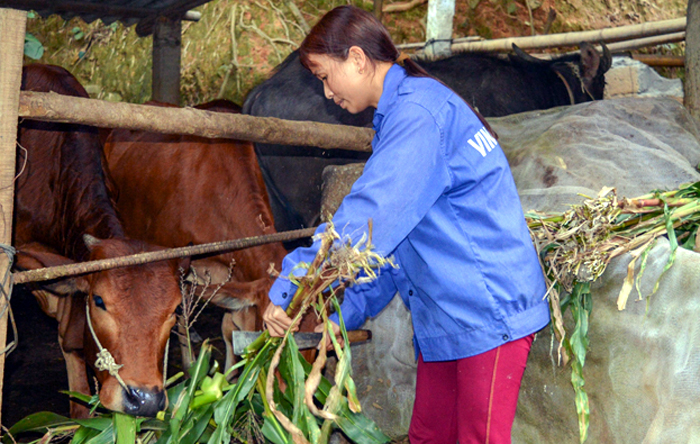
(691, 85)
(439, 28)
(378, 5)
(167, 37)
(13, 25)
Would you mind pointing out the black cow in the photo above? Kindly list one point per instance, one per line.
(495, 85)
(502, 85)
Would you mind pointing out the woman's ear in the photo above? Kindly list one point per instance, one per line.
(358, 58)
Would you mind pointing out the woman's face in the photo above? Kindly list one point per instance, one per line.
(346, 82)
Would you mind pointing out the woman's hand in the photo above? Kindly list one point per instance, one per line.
(276, 321)
(329, 342)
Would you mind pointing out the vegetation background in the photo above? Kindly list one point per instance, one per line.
(237, 43)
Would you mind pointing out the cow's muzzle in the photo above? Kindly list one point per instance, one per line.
(143, 402)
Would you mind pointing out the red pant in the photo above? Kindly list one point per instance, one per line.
(470, 400)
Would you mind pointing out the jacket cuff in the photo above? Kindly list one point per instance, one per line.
(352, 318)
(282, 292)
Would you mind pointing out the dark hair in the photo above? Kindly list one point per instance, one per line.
(347, 26)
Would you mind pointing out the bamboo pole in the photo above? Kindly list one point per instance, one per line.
(49, 273)
(13, 24)
(628, 45)
(660, 60)
(54, 107)
(606, 35)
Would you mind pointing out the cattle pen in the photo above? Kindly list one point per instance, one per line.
(53, 107)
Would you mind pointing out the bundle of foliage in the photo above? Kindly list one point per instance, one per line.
(576, 246)
(204, 408)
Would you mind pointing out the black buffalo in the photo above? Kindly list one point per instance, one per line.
(495, 85)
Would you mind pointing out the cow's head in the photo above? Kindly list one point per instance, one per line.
(131, 311)
(584, 73)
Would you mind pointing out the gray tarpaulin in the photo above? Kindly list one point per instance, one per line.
(643, 368)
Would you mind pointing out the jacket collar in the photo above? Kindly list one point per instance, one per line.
(392, 81)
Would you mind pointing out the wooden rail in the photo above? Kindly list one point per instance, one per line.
(54, 107)
(49, 273)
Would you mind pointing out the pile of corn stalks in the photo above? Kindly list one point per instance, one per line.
(575, 248)
(204, 408)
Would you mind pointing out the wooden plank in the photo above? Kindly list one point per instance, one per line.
(54, 107)
(13, 24)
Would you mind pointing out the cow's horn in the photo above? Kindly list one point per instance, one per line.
(90, 241)
(525, 56)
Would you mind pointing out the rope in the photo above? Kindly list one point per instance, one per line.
(165, 362)
(6, 295)
(568, 88)
(105, 360)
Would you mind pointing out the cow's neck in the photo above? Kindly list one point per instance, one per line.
(89, 210)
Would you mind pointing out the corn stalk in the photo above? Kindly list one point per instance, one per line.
(205, 408)
(575, 248)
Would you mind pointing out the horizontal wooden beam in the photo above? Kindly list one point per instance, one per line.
(59, 271)
(54, 107)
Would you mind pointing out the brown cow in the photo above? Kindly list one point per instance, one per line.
(177, 189)
(61, 195)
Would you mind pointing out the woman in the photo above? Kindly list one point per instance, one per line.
(443, 202)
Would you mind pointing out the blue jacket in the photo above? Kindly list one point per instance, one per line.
(443, 202)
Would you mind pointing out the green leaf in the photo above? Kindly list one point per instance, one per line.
(33, 47)
(359, 428)
(100, 423)
(153, 424)
(37, 422)
(673, 244)
(580, 400)
(201, 368)
(77, 395)
(271, 431)
(83, 434)
(579, 337)
(293, 374)
(106, 436)
(198, 423)
(125, 427)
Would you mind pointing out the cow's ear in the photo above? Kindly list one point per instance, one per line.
(69, 286)
(90, 241)
(184, 263)
(35, 255)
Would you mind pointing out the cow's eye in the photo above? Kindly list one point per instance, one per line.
(99, 302)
